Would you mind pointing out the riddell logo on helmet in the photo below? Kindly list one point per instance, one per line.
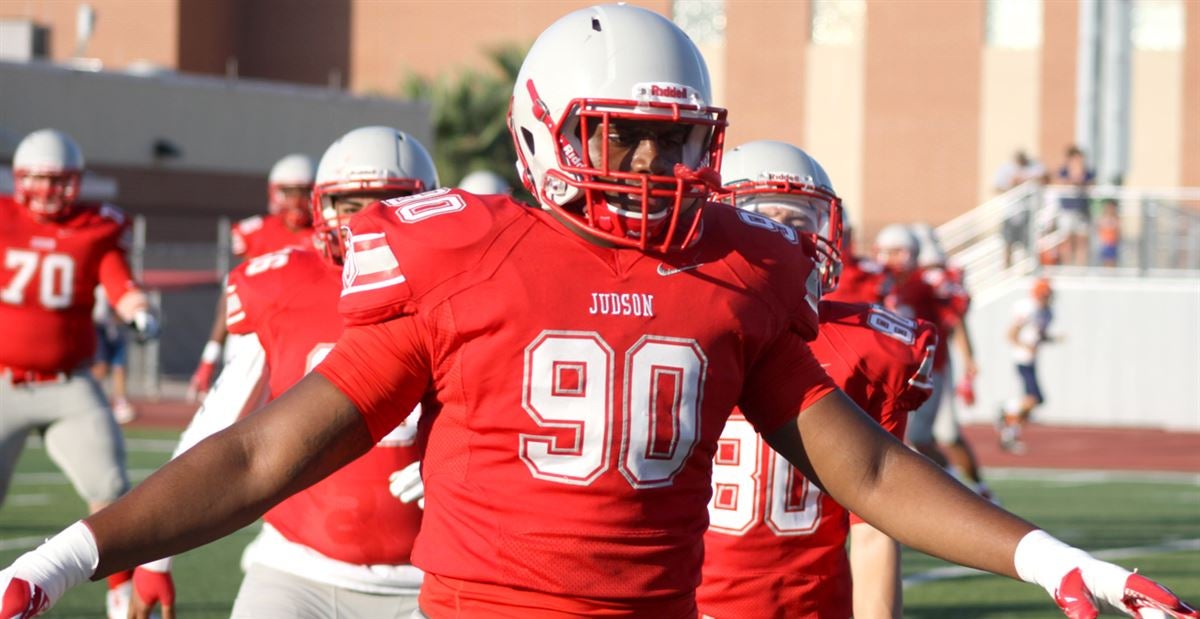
(663, 90)
(670, 92)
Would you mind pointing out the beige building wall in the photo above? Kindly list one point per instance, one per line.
(1060, 36)
(1010, 111)
(1155, 158)
(1190, 125)
(922, 111)
(833, 125)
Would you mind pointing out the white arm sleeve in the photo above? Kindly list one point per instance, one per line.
(240, 388)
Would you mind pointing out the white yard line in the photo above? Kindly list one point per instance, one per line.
(1112, 554)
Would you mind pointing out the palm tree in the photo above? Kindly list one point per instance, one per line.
(470, 112)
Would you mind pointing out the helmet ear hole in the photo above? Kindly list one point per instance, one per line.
(527, 135)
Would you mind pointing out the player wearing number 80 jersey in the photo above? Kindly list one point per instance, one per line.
(776, 543)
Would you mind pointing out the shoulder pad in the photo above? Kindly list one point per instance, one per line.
(409, 251)
(778, 260)
(256, 284)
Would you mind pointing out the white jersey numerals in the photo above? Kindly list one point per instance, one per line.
(793, 504)
(268, 262)
(57, 276)
(569, 389)
(412, 209)
(758, 220)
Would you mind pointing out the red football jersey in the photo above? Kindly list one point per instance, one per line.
(263, 234)
(48, 280)
(947, 283)
(859, 282)
(578, 391)
(289, 299)
(775, 546)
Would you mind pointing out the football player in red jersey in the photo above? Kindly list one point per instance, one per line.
(288, 223)
(575, 365)
(939, 428)
(56, 249)
(340, 547)
(775, 546)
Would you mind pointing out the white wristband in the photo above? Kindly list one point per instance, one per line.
(212, 352)
(64, 561)
(162, 566)
(1043, 560)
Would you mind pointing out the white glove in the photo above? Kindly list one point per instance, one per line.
(1078, 581)
(145, 324)
(38, 578)
(407, 486)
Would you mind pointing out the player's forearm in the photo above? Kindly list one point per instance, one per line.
(962, 340)
(219, 330)
(899, 491)
(229, 480)
(875, 568)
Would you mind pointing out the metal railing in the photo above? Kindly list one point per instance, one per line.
(1018, 232)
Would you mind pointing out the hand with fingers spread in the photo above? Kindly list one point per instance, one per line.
(407, 486)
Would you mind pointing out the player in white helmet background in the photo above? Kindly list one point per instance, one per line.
(340, 548)
(556, 485)
(758, 561)
(56, 249)
(288, 223)
(936, 432)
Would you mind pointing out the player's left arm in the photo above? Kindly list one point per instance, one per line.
(864, 468)
(962, 341)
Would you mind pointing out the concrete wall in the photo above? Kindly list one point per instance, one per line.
(1130, 354)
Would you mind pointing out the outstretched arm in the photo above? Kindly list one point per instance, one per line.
(901, 493)
(227, 481)
(904, 495)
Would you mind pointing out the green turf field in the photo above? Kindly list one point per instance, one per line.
(1151, 524)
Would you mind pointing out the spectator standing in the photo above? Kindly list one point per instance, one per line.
(1020, 169)
(1108, 233)
(1027, 333)
(112, 357)
(1074, 218)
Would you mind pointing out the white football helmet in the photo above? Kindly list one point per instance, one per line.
(896, 247)
(931, 253)
(288, 187)
(606, 63)
(786, 184)
(47, 172)
(484, 182)
(377, 161)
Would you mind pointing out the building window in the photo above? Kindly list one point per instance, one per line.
(1013, 24)
(1158, 24)
(838, 22)
(702, 20)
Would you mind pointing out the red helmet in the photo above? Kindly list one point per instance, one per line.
(47, 173)
(380, 161)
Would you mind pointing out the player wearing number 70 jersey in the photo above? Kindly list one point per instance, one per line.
(776, 543)
(54, 249)
(342, 546)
